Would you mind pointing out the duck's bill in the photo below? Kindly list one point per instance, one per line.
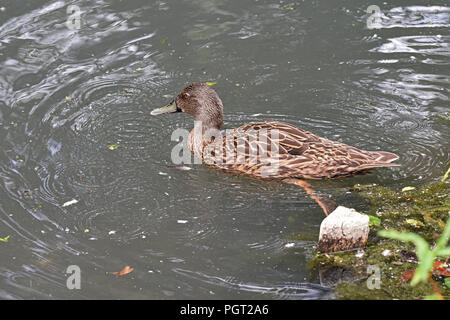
(170, 108)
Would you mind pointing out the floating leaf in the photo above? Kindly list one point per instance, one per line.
(5, 239)
(163, 41)
(124, 271)
(113, 147)
(408, 189)
(138, 69)
(210, 83)
(68, 99)
(86, 230)
(268, 111)
(374, 221)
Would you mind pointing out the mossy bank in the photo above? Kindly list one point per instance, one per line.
(383, 269)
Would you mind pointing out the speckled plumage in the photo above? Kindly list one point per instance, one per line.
(301, 154)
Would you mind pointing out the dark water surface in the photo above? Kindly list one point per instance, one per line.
(65, 95)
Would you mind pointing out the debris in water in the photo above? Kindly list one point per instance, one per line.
(113, 147)
(182, 221)
(182, 168)
(124, 271)
(5, 239)
(69, 203)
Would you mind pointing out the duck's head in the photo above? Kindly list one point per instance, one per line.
(200, 101)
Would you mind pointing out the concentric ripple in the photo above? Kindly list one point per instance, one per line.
(86, 174)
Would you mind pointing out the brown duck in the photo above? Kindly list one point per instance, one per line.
(290, 154)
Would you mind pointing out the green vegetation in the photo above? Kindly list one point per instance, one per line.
(425, 255)
(420, 217)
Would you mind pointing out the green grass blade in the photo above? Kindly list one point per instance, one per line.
(443, 239)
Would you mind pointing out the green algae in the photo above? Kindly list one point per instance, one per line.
(422, 211)
(444, 117)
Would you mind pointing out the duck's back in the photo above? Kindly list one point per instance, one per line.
(278, 150)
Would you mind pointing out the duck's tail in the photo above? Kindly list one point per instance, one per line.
(385, 157)
(380, 159)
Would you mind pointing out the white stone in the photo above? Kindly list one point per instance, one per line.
(343, 229)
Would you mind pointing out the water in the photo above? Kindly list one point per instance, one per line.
(65, 95)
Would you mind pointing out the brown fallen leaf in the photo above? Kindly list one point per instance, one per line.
(408, 274)
(441, 269)
(124, 271)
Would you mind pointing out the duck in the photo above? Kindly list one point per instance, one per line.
(268, 150)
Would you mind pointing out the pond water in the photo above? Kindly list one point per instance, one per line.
(66, 94)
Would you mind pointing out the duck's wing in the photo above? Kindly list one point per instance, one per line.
(317, 158)
(294, 153)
